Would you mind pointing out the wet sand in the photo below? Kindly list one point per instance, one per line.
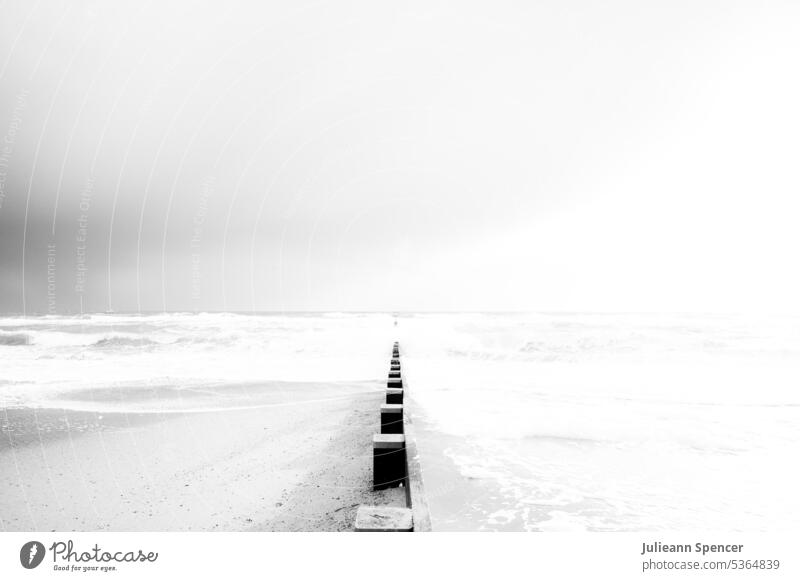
(279, 458)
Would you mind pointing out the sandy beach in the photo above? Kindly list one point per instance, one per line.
(278, 456)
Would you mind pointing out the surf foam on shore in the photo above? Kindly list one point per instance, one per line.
(607, 422)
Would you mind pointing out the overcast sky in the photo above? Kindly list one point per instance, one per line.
(568, 155)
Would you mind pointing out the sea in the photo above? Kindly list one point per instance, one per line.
(524, 421)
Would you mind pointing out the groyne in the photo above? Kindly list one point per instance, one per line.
(395, 462)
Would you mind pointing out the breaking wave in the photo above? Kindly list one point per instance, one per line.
(15, 339)
(121, 341)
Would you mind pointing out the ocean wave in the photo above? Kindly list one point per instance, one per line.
(121, 341)
(13, 339)
(476, 354)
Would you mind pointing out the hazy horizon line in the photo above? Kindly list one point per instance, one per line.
(402, 312)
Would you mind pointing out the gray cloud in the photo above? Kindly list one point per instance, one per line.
(420, 155)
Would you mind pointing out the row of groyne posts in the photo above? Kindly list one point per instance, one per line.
(395, 463)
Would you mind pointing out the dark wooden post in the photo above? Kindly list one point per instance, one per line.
(391, 418)
(394, 395)
(389, 460)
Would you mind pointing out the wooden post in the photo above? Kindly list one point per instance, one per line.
(394, 395)
(388, 460)
(394, 382)
(391, 418)
(384, 519)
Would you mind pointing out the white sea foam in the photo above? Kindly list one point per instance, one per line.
(611, 422)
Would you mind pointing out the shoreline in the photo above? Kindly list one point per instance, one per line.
(303, 467)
